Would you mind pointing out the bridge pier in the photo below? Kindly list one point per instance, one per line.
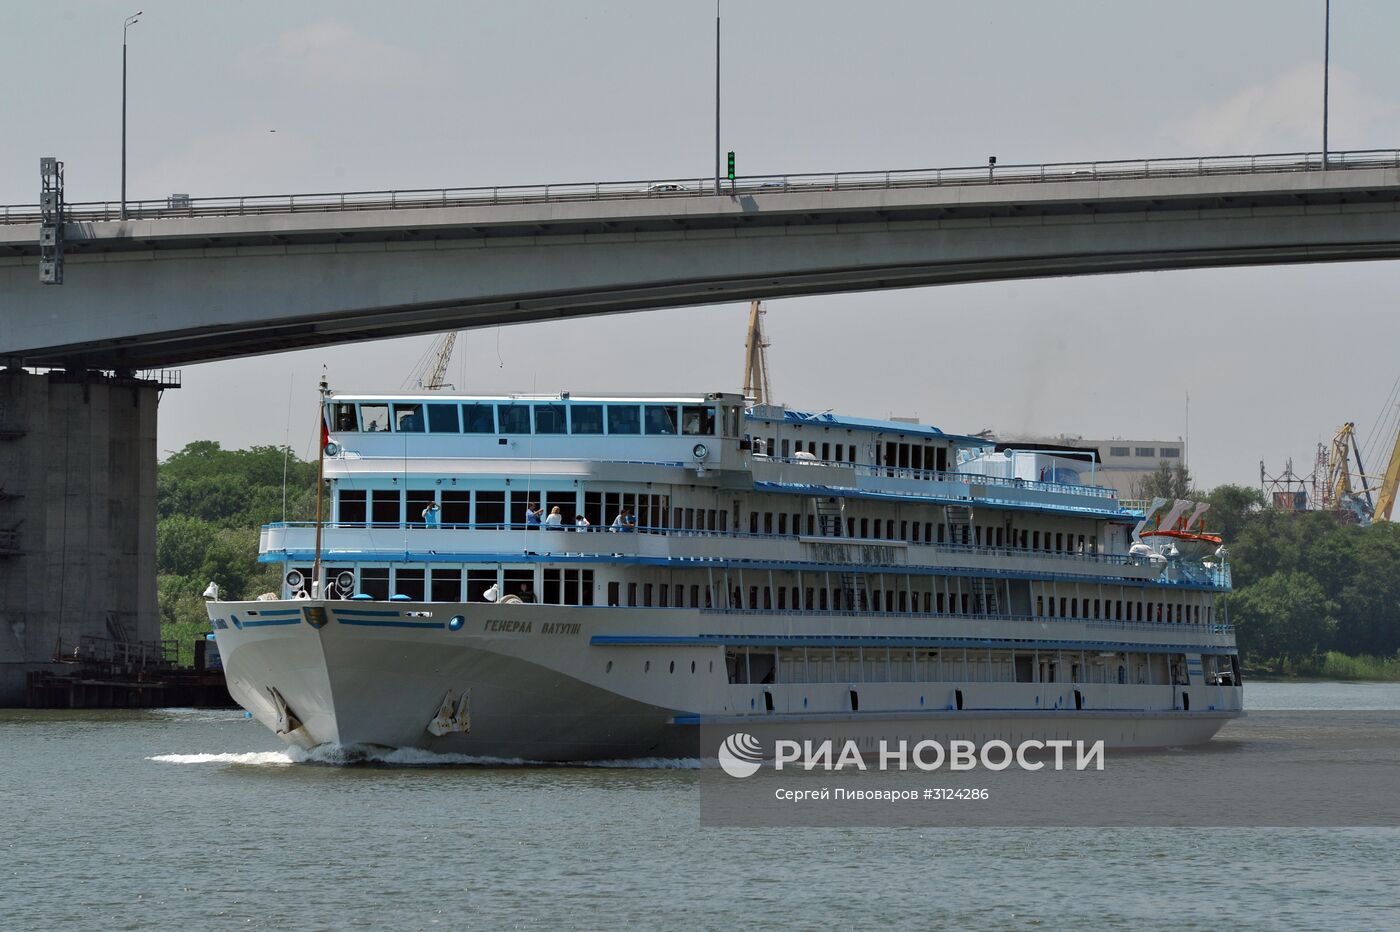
(77, 516)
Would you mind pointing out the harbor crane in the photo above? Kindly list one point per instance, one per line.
(431, 371)
(756, 388)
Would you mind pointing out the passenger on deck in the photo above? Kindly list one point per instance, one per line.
(432, 515)
(580, 522)
(555, 520)
(533, 515)
(625, 521)
(526, 593)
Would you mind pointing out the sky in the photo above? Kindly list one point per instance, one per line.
(288, 97)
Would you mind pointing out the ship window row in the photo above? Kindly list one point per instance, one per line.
(454, 584)
(508, 508)
(544, 418)
(822, 450)
(978, 665)
(835, 592)
(511, 508)
(915, 457)
(1167, 612)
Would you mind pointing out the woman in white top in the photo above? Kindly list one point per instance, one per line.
(555, 520)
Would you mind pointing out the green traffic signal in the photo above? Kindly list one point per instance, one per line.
(731, 166)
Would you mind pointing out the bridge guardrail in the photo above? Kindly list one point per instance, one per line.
(98, 211)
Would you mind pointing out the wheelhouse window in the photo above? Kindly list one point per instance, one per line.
(549, 419)
(478, 419)
(343, 417)
(408, 418)
(514, 419)
(698, 421)
(442, 419)
(624, 419)
(660, 419)
(375, 418)
(587, 419)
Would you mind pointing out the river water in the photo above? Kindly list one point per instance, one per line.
(202, 820)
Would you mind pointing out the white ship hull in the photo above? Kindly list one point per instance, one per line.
(558, 683)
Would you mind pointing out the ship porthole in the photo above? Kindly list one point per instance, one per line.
(456, 623)
(673, 666)
(608, 668)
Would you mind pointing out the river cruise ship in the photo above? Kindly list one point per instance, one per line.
(563, 578)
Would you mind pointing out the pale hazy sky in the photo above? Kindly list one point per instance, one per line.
(422, 94)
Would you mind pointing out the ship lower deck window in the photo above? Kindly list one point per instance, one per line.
(410, 583)
(445, 585)
(478, 582)
(374, 582)
(520, 583)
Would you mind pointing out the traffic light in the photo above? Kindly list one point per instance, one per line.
(731, 166)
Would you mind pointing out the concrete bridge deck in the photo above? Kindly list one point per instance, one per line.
(226, 277)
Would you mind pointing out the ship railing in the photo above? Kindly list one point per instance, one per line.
(670, 188)
(953, 475)
(573, 546)
(1116, 559)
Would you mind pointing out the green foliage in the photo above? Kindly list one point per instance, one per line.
(1310, 586)
(1230, 507)
(210, 504)
(1171, 481)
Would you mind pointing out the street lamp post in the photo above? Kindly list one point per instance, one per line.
(1326, 67)
(130, 21)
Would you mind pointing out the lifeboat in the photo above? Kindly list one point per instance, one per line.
(1176, 531)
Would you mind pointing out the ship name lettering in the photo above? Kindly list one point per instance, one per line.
(560, 627)
(509, 626)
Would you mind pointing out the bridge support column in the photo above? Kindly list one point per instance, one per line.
(77, 517)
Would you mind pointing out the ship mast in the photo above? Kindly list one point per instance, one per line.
(324, 435)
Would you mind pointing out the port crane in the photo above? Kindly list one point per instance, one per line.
(431, 371)
(1369, 498)
(756, 388)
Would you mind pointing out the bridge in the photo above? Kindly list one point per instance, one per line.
(188, 279)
